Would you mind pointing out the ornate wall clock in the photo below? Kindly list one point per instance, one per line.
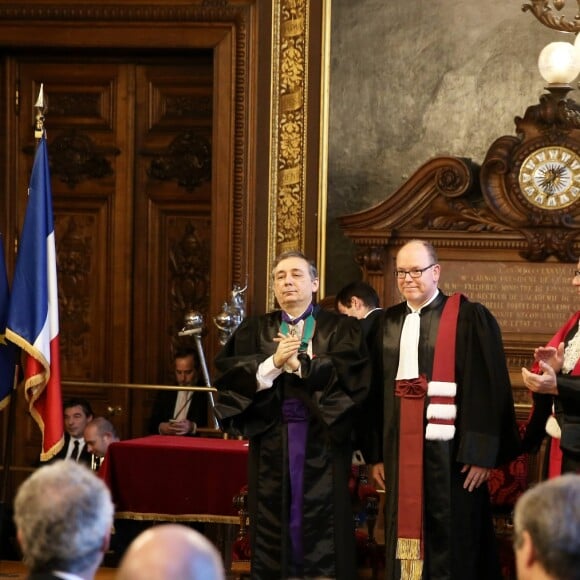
(549, 177)
(531, 180)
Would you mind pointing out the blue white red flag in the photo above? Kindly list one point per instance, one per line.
(33, 314)
(7, 349)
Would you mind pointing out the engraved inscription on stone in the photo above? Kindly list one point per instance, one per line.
(524, 297)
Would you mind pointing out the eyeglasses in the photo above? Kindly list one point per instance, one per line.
(414, 273)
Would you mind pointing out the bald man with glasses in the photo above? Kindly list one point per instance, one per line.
(444, 417)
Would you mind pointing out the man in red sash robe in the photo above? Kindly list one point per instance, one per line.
(555, 384)
(447, 418)
(291, 382)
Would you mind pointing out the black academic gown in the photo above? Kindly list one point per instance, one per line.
(567, 411)
(333, 383)
(459, 537)
(164, 408)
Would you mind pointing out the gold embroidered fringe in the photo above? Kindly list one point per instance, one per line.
(408, 549)
(411, 569)
(409, 553)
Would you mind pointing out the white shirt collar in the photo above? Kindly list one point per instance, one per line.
(435, 294)
(66, 575)
(369, 312)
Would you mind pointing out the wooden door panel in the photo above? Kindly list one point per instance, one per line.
(140, 196)
(173, 207)
(89, 122)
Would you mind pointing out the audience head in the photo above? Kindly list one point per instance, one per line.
(99, 434)
(185, 367)
(547, 530)
(356, 299)
(77, 413)
(63, 514)
(171, 551)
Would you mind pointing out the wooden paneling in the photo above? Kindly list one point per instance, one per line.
(148, 119)
(131, 150)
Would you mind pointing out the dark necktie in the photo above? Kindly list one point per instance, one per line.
(75, 453)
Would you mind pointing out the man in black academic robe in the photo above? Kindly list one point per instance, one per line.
(458, 536)
(555, 385)
(322, 378)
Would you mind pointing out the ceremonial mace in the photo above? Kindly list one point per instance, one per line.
(193, 326)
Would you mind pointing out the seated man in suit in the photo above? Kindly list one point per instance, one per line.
(180, 412)
(64, 515)
(77, 414)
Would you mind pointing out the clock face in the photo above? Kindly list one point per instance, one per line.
(550, 177)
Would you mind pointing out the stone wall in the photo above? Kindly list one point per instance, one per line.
(411, 80)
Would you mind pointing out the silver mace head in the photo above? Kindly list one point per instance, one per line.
(192, 323)
(226, 322)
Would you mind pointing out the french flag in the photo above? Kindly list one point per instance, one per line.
(32, 321)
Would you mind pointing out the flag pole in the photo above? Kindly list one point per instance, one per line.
(7, 456)
(11, 420)
(39, 106)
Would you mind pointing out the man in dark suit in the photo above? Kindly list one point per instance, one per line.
(64, 515)
(360, 300)
(180, 412)
(77, 414)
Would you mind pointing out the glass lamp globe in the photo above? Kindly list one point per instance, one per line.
(558, 63)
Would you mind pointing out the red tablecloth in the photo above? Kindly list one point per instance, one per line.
(176, 478)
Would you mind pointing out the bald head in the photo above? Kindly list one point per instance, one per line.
(171, 551)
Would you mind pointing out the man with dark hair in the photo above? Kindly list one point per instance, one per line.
(180, 412)
(358, 299)
(64, 515)
(77, 414)
(547, 530)
(291, 381)
(447, 418)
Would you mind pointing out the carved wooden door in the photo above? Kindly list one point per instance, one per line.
(129, 142)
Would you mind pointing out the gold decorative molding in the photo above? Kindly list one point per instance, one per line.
(545, 14)
(323, 155)
(289, 123)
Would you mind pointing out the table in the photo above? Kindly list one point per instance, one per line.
(171, 478)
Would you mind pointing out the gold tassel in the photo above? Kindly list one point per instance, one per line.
(408, 549)
(409, 553)
(411, 569)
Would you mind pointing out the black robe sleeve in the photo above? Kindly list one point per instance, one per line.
(488, 434)
(332, 382)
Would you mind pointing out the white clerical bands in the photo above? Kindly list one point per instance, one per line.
(441, 411)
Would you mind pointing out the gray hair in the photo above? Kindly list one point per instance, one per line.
(63, 513)
(550, 513)
(104, 426)
(297, 254)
